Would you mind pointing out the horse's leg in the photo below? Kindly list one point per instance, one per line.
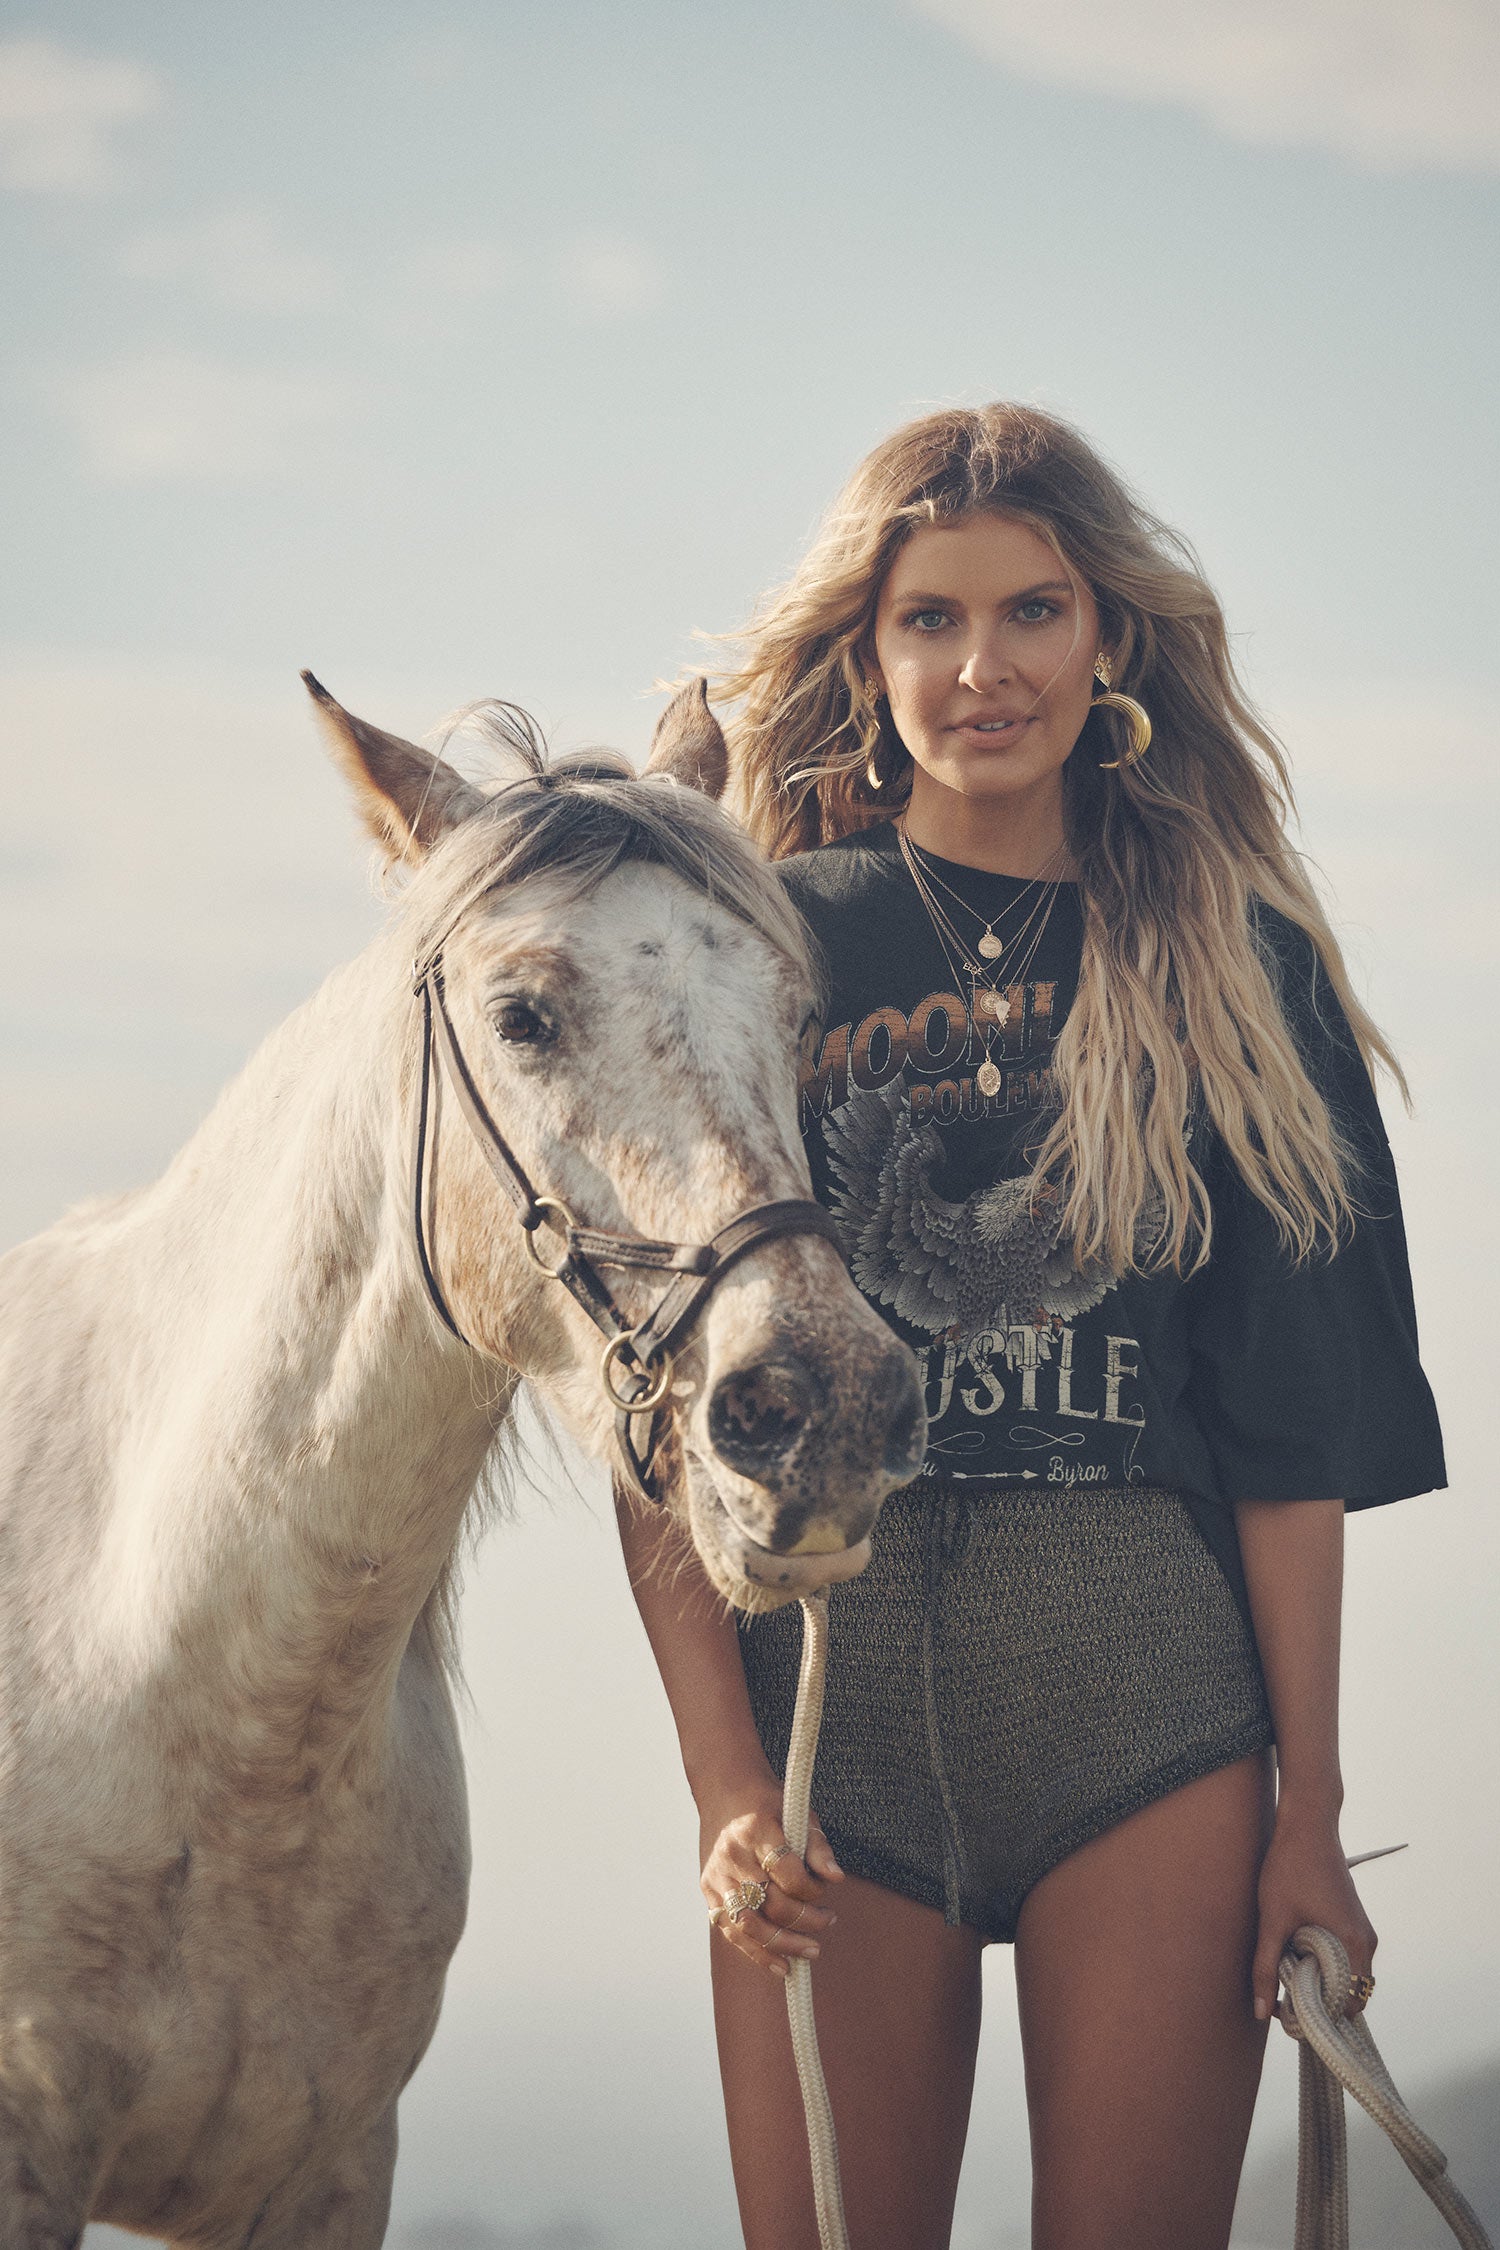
(348, 2208)
(46, 2177)
(61, 2099)
(33, 2216)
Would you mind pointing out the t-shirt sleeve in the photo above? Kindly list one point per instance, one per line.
(1305, 1380)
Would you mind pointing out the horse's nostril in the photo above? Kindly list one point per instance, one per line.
(757, 1413)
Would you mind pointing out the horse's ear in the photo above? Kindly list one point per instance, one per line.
(689, 742)
(408, 798)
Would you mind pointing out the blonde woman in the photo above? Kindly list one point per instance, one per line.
(1091, 1096)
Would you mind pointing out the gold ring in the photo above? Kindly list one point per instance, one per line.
(797, 1920)
(778, 1851)
(745, 1898)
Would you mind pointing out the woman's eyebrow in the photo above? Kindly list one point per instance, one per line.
(1026, 594)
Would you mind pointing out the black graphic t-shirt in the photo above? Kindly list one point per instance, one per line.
(1253, 1379)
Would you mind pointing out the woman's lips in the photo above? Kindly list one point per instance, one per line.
(991, 730)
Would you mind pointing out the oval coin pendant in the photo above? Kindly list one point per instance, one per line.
(987, 1078)
(990, 946)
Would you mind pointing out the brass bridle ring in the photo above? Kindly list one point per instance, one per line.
(647, 1401)
(570, 1226)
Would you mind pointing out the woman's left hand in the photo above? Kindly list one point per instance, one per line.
(1305, 1879)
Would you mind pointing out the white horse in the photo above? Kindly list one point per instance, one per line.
(237, 1445)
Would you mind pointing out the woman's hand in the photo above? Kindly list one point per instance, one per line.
(743, 1841)
(1305, 1879)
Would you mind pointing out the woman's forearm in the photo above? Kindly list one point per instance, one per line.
(1293, 1553)
(696, 1645)
(743, 1847)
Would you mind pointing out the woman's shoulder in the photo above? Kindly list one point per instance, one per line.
(1319, 1025)
(1299, 976)
(840, 877)
(1283, 944)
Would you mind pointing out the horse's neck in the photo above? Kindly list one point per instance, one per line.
(300, 1442)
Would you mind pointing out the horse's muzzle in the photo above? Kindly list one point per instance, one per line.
(793, 1575)
(811, 1445)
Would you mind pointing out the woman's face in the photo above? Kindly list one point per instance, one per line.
(985, 649)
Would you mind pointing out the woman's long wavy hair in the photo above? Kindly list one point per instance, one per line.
(1177, 1001)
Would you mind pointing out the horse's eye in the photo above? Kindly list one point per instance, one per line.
(518, 1022)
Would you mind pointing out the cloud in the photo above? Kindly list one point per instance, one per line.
(235, 258)
(1388, 82)
(60, 110)
(459, 270)
(608, 277)
(145, 417)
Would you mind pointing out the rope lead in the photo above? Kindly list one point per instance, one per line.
(822, 2143)
(1338, 2053)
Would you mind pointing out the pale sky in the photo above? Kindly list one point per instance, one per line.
(500, 349)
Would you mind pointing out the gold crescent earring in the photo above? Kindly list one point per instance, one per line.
(1134, 714)
(872, 771)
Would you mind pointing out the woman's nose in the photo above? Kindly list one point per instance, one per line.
(985, 666)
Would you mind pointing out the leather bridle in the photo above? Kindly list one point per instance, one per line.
(640, 1356)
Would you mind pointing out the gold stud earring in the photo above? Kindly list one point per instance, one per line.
(1133, 713)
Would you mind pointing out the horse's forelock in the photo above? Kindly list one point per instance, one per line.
(579, 818)
(504, 735)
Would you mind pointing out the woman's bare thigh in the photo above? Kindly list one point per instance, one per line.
(1142, 2051)
(897, 1999)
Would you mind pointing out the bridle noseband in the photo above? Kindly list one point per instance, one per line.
(641, 1356)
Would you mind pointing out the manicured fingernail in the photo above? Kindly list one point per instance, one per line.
(831, 1920)
(1261, 2011)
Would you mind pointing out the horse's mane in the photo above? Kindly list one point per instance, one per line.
(577, 816)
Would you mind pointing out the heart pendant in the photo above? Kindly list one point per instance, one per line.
(990, 946)
(987, 1078)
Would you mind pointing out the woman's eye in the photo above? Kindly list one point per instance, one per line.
(1036, 612)
(518, 1022)
(928, 620)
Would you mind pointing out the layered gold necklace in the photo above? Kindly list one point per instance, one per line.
(997, 958)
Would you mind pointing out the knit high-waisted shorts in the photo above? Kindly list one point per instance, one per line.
(1012, 1675)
